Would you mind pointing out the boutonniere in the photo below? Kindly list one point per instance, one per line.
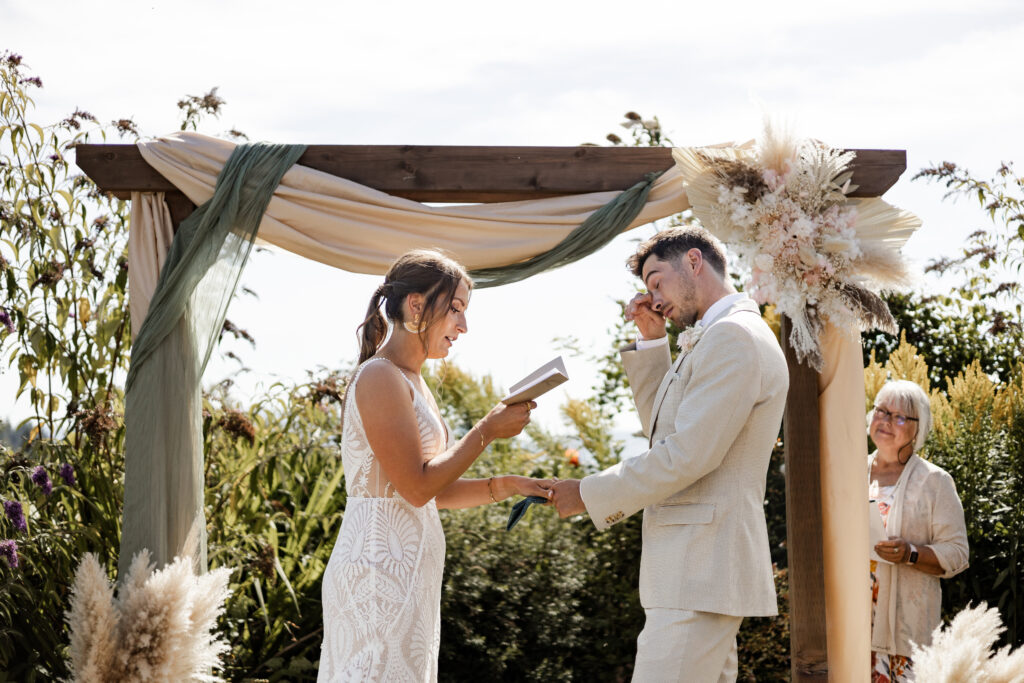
(689, 337)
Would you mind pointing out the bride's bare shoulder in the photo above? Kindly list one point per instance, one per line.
(380, 382)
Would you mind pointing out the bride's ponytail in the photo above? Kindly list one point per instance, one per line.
(374, 327)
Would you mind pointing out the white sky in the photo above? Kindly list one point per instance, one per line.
(940, 79)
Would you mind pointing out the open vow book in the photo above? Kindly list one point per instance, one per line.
(540, 381)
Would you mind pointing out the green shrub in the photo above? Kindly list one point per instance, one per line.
(274, 499)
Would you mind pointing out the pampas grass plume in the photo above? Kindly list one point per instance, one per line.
(93, 622)
(777, 147)
(160, 627)
(211, 594)
(1006, 667)
(154, 621)
(963, 651)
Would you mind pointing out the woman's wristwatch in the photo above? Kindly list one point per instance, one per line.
(913, 554)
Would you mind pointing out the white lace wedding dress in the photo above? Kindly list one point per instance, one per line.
(382, 585)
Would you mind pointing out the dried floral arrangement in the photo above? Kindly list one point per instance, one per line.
(158, 628)
(817, 254)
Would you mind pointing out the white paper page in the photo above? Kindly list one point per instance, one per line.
(876, 530)
(540, 381)
(555, 364)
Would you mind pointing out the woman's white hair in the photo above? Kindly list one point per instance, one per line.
(910, 399)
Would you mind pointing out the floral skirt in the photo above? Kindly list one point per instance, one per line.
(891, 668)
(887, 668)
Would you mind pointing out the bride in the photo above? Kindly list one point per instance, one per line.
(382, 585)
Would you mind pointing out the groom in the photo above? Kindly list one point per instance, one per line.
(712, 418)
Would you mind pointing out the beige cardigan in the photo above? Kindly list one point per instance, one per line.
(926, 512)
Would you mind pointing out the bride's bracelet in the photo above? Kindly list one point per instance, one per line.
(490, 491)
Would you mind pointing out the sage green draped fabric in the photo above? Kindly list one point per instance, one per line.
(163, 396)
(597, 230)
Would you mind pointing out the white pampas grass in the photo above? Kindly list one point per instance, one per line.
(777, 146)
(93, 622)
(963, 651)
(160, 627)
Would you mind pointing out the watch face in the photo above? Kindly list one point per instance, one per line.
(913, 556)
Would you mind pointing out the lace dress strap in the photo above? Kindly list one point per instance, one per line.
(395, 366)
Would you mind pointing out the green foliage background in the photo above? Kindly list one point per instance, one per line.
(550, 600)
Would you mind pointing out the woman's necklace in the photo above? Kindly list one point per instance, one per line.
(886, 476)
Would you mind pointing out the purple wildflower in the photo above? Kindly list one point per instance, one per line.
(42, 479)
(5, 320)
(67, 473)
(9, 551)
(16, 514)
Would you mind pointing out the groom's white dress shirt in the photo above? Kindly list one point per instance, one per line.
(712, 418)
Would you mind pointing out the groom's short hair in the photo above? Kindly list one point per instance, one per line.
(674, 243)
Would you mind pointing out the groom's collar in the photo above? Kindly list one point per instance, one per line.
(717, 309)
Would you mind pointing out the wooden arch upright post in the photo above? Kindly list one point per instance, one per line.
(808, 645)
(493, 174)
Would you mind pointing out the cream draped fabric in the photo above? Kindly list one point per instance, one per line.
(148, 243)
(350, 226)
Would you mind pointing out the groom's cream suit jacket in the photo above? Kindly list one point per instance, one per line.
(712, 418)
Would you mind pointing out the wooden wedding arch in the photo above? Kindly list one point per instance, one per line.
(494, 174)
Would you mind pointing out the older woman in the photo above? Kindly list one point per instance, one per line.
(924, 521)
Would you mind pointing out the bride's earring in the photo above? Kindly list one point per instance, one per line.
(414, 326)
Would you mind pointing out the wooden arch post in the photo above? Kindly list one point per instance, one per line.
(494, 174)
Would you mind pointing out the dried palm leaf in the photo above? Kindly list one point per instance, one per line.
(871, 309)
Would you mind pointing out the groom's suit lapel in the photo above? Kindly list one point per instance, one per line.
(673, 373)
(659, 397)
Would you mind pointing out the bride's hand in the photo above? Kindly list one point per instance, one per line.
(505, 421)
(515, 485)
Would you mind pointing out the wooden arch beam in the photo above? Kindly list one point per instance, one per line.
(468, 174)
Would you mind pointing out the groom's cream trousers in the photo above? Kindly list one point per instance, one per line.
(683, 646)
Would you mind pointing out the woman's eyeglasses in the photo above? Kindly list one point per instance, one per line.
(900, 420)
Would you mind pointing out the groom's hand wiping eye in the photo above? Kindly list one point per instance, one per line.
(649, 322)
